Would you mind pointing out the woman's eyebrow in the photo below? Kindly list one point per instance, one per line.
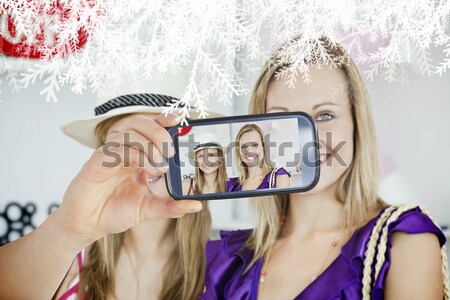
(325, 103)
(314, 107)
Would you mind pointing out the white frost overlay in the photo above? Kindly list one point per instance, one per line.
(221, 42)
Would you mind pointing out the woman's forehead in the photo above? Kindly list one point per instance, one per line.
(327, 85)
(250, 136)
(207, 150)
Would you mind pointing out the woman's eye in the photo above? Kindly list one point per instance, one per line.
(255, 145)
(324, 117)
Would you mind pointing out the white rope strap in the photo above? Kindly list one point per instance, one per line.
(370, 252)
(272, 178)
(382, 226)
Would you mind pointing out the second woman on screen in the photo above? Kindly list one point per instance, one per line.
(253, 163)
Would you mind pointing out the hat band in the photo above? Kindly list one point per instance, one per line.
(206, 145)
(152, 100)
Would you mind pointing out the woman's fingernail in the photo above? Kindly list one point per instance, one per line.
(171, 150)
(172, 116)
(163, 167)
(195, 209)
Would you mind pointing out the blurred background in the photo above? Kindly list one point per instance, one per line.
(37, 162)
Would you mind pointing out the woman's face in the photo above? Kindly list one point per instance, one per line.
(156, 184)
(251, 148)
(326, 99)
(207, 160)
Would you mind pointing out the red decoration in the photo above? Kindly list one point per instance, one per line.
(184, 130)
(18, 44)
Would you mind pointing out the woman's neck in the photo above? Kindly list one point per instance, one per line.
(255, 171)
(210, 179)
(313, 213)
(209, 183)
(151, 237)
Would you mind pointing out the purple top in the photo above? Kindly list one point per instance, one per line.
(227, 258)
(234, 186)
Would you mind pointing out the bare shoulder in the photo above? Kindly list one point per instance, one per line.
(416, 267)
(283, 180)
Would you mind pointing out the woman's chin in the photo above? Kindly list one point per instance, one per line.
(208, 170)
(328, 179)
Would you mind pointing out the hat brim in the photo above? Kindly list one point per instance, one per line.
(191, 154)
(83, 130)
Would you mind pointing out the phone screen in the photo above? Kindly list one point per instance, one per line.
(243, 156)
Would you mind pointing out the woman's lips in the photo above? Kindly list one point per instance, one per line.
(250, 158)
(207, 167)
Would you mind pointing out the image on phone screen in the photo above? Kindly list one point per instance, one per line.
(243, 157)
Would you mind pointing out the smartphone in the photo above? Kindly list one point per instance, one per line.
(244, 156)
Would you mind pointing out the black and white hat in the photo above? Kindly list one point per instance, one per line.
(206, 140)
(134, 95)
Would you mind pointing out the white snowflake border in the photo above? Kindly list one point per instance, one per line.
(222, 42)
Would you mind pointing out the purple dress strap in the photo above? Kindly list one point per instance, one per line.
(233, 184)
(228, 257)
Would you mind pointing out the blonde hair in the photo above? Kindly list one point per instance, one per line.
(184, 273)
(358, 185)
(263, 163)
(221, 179)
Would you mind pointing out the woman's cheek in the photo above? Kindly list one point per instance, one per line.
(343, 151)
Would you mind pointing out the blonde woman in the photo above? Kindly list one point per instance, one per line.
(210, 174)
(160, 258)
(253, 163)
(312, 245)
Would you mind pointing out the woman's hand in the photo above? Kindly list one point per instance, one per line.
(111, 192)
